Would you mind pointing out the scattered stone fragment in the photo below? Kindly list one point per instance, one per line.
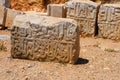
(109, 21)
(45, 39)
(4, 37)
(57, 10)
(85, 12)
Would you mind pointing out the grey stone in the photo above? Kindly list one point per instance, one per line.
(5, 3)
(4, 37)
(109, 21)
(85, 13)
(57, 10)
(45, 39)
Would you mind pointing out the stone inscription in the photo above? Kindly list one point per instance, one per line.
(85, 13)
(109, 21)
(59, 43)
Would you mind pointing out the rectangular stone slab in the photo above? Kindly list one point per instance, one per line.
(85, 13)
(57, 10)
(45, 39)
(109, 21)
(2, 15)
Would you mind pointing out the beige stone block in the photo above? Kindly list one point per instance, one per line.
(109, 21)
(45, 38)
(57, 10)
(85, 13)
(2, 15)
(5, 3)
(10, 16)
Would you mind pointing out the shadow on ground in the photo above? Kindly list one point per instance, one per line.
(81, 61)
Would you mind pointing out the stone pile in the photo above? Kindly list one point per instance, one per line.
(54, 36)
(94, 19)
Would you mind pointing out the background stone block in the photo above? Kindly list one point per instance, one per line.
(45, 38)
(109, 21)
(85, 12)
(5, 3)
(10, 16)
(2, 15)
(57, 10)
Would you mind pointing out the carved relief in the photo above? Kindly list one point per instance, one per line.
(46, 43)
(109, 21)
(85, 13)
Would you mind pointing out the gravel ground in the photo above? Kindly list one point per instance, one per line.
(99, 60)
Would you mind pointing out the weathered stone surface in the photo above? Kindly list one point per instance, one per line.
(28, 5)
(34, 5)
(10, 16)
(109, 21)
(85, 12)
(5, 3)
(2, 15)
(57, 10)
(45, 38)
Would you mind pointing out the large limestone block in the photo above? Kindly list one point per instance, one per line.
(45, 39)
(85, 12)
(2, 15)
(57, 10)
(109, 21)
(10, 16)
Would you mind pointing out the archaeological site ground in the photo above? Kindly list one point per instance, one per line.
(59, 39)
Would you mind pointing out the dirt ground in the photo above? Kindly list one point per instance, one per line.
(99, 60)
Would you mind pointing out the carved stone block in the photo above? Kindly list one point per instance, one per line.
(45, 39)
(2, 15)
(109, 21)
(85, 12)
(57, 10)
(10, 16)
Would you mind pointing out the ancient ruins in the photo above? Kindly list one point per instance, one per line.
(48, 30)
(39, 38)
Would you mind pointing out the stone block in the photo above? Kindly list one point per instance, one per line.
(39, 38)
(85, 13)
(57, 10)
(10, 16)
(109, 21)
(2, 15)
(5, 3)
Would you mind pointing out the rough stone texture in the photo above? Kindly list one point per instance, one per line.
(57, 10)
(2, 15)
(5, 3)
(28, 5)
(109, 21)
(85, 12)
(45, 39)
(34, 5)
(10, 16)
